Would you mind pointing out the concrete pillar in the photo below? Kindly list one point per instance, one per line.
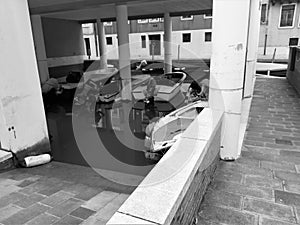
(123, 49)
(40, 51)
(229, 38)
(167, 42)
(252, 48)
(102, 44)
(25, 128)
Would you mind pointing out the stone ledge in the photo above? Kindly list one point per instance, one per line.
(120, 218)
(6, 160)
(158, 198)
(5, 155)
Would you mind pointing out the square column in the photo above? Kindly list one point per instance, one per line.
(39, 43)
(24, 128)
(102, 44)
(229, 43)
(167, 43)
(252, 48)
(124, 51)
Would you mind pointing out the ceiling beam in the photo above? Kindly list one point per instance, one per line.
(141, 10)
(151, 16)
(43, 6)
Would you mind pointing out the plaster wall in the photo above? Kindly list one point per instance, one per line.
(22, 119)
(64, 46)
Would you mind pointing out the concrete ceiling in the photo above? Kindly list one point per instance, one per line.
(89, 10)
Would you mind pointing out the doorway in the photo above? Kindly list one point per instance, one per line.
(87, 47)
(154, 44)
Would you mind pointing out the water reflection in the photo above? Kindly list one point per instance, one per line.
(120, 126)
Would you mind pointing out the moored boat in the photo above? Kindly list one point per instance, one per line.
(167, 85)
(111, 90)
(168, 129)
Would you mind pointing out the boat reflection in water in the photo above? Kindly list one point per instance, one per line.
(119, 126)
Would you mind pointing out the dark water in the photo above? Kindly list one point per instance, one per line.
(112, 140)
(89, 139)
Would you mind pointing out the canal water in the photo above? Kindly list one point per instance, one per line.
(109, 137)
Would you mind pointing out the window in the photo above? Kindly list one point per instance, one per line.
(143, 37)
(87, 46)
(207, 37)
(87, 28)
(186, 37)
(154, 20)
(264, 14)
(109, 41)
(187, 17)
(287, 15)
(207, 15)
(293, 41)
(107, 23)
(143, 21)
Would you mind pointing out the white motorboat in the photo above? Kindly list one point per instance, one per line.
(99, 77)
(112, 87)
(168, 129)
(105, 84)
(167, 86)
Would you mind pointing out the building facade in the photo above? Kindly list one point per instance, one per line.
(280, 27)
(191, 38)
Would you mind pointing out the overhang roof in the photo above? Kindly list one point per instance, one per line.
(88, 10)
(284, 1)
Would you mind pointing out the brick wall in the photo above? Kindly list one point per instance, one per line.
(190, 205)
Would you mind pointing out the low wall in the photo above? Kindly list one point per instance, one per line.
(188, 209)
(293, 72)
(172, 192)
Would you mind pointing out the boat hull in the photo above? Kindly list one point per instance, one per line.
(167, 88)
(169, 128)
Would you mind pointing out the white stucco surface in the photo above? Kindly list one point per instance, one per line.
(21, 110)
(270, 66)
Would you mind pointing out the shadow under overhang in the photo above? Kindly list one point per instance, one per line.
(90, 10)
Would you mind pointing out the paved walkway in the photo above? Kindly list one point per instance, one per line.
(58, 193)
(260, 188)
(263, 186)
